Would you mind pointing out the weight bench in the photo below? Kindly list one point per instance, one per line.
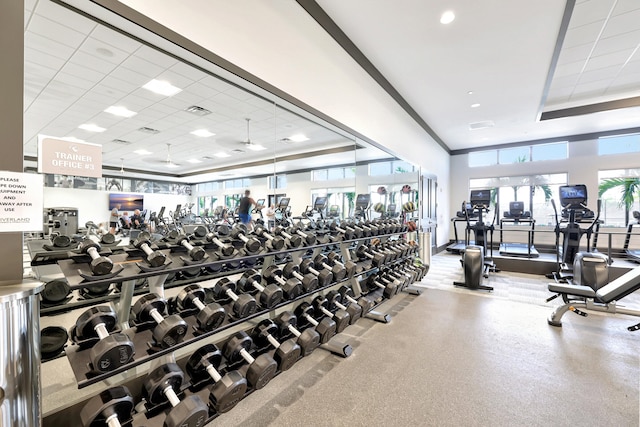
(603, 299)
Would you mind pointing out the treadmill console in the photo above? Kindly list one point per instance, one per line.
(574, 198)
(516, 211)
(480, 198)
(320, 204)
(466, 211)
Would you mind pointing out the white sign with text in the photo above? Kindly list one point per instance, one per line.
(62, 157)
(21, 201)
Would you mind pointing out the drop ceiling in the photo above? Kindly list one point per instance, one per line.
(75, 68)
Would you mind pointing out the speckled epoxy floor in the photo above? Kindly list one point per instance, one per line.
(453, 357)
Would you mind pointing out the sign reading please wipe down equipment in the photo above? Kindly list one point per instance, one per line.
(57, 156)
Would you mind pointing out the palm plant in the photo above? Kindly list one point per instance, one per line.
(629, 187)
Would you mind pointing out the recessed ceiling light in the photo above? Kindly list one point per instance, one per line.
(142, 152)
(171, 165)
(255, 147)
(470, 92)
(194, 161)
(447, 17)
(298, 138)
(91, 127)
(203, 133)
(476, 105)
(120, 111)
(222, 154)
(162, 87)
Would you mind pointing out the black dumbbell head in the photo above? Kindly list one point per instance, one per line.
(226, 394)
(211, 317)
(287, 354)
(190, 412)
(261, 371)
(90, 318)
(187, 296)
(170, 331)
(234, 346)
(147, 303)
(112, 352)
(167, 375)
(114, 401)
(55, 291)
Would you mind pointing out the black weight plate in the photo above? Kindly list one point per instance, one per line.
(55, 291)
(52, 341)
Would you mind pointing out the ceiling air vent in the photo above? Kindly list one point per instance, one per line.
(199, 111)
(481, 125)
(121, 142)
(148, 130)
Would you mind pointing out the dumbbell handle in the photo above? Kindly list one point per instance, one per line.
(327, 266)
(267, 235)
(93, 253)
(172, 397)
(113, 421)
(196, 301)
(385, 280)
(337, 228)
(232, 295)
(285, 234)
(313, 271)
(349, 298)
(294, 331)
(378, 284)
(338, 263)
(339, 305)
(243, 237)
(186, 244)
(274, 342)
(246, 356)
(213, 373)
(310, 319)
(279, 279)
(325, 311)
(218, 242)
(256, 285)
(302, 233)
(101, 330)
(156, 316)
(297, 275)
(146, 249)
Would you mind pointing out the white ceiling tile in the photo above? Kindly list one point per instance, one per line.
(587, 90)
(55, 31)
(627, 81)
(568, 69)
(119, 84)
(155, 57)
(135, 78)
(575, 53)
(188, 71)
(600, 74)
(620, 42)
(63, 16)
(610, 59)
(141, 66)
(83, 59)
(83, 73)
(115, 39)
(590, 12)
(74, 81)
(620, 24)
(583, 34)
(42, 59)
(104, 51)
(625, 6)
(47, 45)
(30, 5)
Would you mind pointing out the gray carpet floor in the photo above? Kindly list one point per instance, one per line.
(453, 357)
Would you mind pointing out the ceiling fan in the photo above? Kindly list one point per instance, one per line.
(250, 145)
(168, 162)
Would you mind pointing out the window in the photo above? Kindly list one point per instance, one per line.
(614, 213)
(237, 183)
(333, 174)
(619, 144)
(514, 155)
(389, 168)
(553, 151)
(320, 175)
(277, 181)
(483, 158)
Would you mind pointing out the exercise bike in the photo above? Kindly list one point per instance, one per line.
(476, 265)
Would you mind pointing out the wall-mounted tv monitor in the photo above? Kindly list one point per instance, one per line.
(480, 197)
(126, 201)
(573, 195)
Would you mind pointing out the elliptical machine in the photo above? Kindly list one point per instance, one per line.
(475, 264)
(573, 199)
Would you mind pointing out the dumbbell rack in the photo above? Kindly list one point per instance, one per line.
(75, 274)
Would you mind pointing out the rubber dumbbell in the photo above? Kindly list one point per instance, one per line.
(243, 305)
(326, 327)
(325, 277)
(269, 296)
(347, 295)
(197, 253)
(341, 318)
(112, 407)
(347, 232)
(163, 384)
(291, 288)
(287, 352)
(224, 250)
(227, 390)
(273, 243)
(309, 281)
(251, 244)
(100, 265)
(261, 369)
(112, 350)
(377, 259)
(359, 231)
(404, 279)
(389, 287)
(154, 258)
(209, 316)
(335, 299)
(338, 270)
(292, 241)
(308, 238)
(308, 339)
(349, 266)
(169, 330)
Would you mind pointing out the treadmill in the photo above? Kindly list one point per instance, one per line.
(458, 246)
(516, 215)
